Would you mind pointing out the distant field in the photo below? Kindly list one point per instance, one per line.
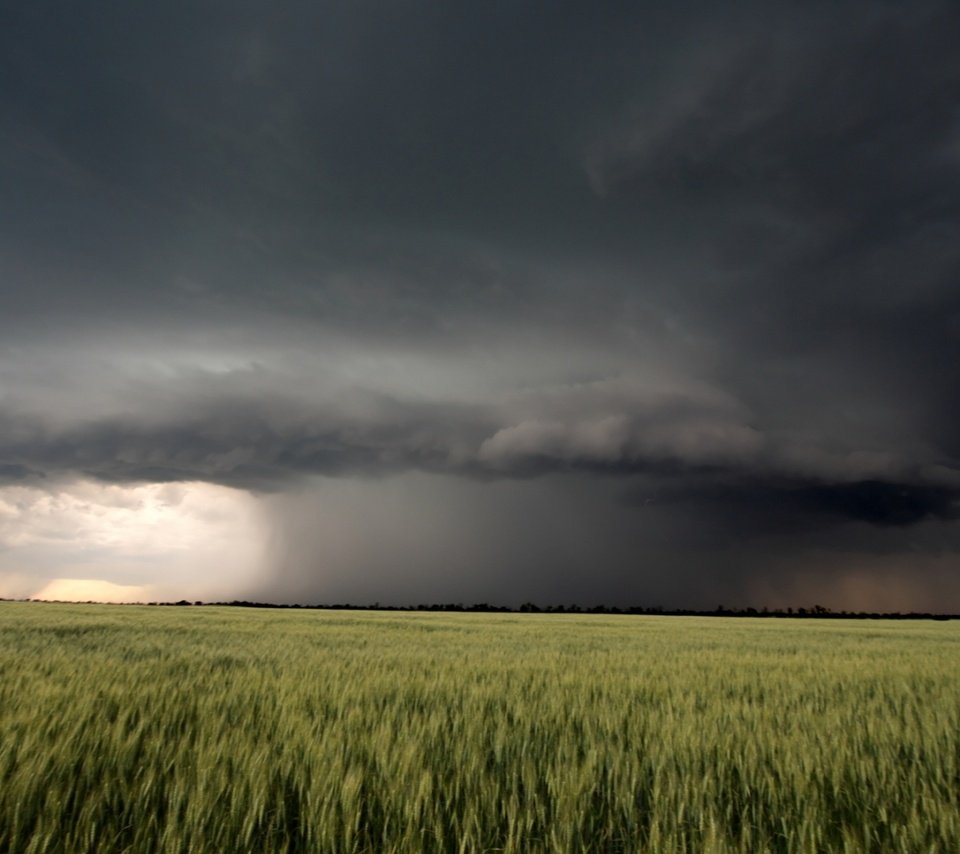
(229, 730)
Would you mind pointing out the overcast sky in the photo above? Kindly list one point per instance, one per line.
(408, 302)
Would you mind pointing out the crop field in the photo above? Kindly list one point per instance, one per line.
(126, 728)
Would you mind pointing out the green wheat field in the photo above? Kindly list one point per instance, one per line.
(127, 728)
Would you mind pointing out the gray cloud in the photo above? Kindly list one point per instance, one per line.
(233, 429)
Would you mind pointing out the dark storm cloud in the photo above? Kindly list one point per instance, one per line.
(694, 435)
(798, 503)
(15, 473)
(303, 129)
(882, 503)
(262, 445)
(707, 254)
(819, 163)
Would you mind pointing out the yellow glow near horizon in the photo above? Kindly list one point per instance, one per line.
(91, 590)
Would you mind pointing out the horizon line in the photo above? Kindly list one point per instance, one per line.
(803, 612)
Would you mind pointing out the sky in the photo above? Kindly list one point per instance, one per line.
(624, 303)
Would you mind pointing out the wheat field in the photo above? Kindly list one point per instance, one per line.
(127, 728)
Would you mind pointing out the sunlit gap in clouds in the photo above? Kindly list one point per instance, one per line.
(83, 540)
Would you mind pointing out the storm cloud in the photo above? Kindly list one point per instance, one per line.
(607, 302)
